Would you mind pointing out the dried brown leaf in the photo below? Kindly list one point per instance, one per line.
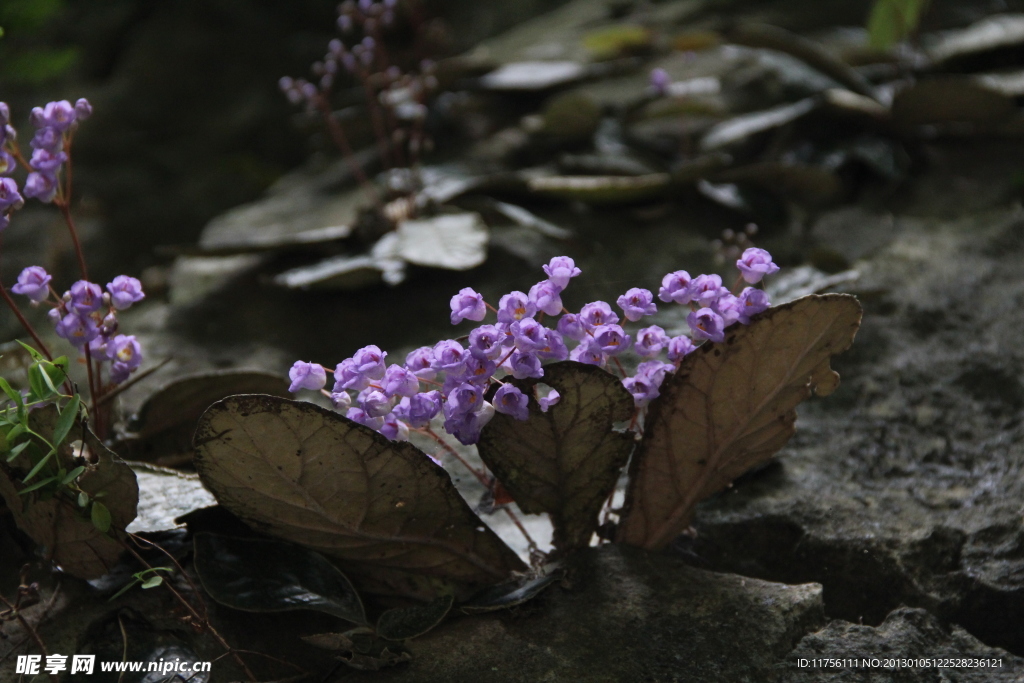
(730, 407)
(308, 475)
(567, 460)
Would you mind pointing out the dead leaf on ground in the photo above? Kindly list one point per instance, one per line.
(67, 535)
(310, 476)
(730, 407)
(567, 460)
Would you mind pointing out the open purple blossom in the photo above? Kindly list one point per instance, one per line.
(468, 304)
(47, 162)
(10, 198)
(7, 161)
(569, 325)
(706, 289)
(547, 297)
(307, 376)
(529, 335)
(359, 415)
(754, 264)
(398, 381)
(551, 399)
(675, 287)
(642, 390)
(126, 354)
(85, 297)
(611, 339)
(450, 357)
(524, 365)
(421, 363)
(706, 324)
(41, 186)
(654, 371)
(125, 291)
(478, 370)
(57, 115)
(753, 301)
(394, 429)
(511, 401)
(465, 398)
(33, 282)
(515, 306)
(679, 347)
(589, 353)
(650, 341)
(554, 347)
(420, 409)
(77, 329)
(373, 402)
(466, 428)
(636, 303)
(346, 376)
(369, 362)
(597, 313)
(560, 270)
(729, 307)
(486, 342)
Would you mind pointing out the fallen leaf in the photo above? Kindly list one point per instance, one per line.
(991, 33)
(533, 75)
(67, 535)
(263, 575)
(450, 241)
(729, 407)
(566, 461)
(741, 128)
(308, 475)
(602, 189)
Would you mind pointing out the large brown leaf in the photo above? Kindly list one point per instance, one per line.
(730, 407)
(566, 461)
(310, 476)
(67, 535)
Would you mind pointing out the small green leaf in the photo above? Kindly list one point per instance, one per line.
(83, 499)
(72, 475)
(35, 382)
(36, 356)
(152, 582)
(52, 376)
(257, 575)
(39, 465)
(66, 420)
(11, 393)
(16, 451)
(38, 485)
(124, 589)
(100, 516)
(403, 623)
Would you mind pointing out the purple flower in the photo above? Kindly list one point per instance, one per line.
(755, 263)
(560, 270)
(523, 365)
(466, 428)
(47, 162)
(359, 415)
(33, 282)
(48, 139)
(125, 291)
(706, 289)
(373, 402)
(341, 400)
(636, 303)
(125, 349)
(369, 362)
(119, 372)
(650, 341)
(729, 307)
(753, 301)
(478, 370)
(450, 357)
(394, 429)
(660, 80)
(465, 398)
(597, 313)
(346, 376)
(547, 401)
(546, 296)
(679, 347)
(59, 115)
(77, 329)
(529, 335)
(643, 390)
(676, 287)
(554, 347)
(421, 363)
(654, 371)
(589, 353)
(468, 304)
(511, 401)
(41, 186)
(569, 325)
(86, 297)
(706, 324)
(420, 409)
(515, 306)
(7, 162)
(83, 109)
(486, 342)
(307, 376)
(611, 339)
(5, 114)
(398, 381)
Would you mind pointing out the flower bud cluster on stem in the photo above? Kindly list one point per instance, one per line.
(392, 398)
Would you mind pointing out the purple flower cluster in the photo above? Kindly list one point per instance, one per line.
(10, 199)
(86, 316)
(53, 123)
(389, 397)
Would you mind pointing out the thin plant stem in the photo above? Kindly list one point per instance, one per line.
(31, 631)
(341, 140)
(65, 211)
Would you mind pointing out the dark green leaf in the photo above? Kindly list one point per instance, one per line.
(263, 575)
(100, 517)
(566, 461)
(38, 485)
(403, 623)
(66, 420)
(72, 475)
(38, 466)
(16, 451)
(11, 393)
